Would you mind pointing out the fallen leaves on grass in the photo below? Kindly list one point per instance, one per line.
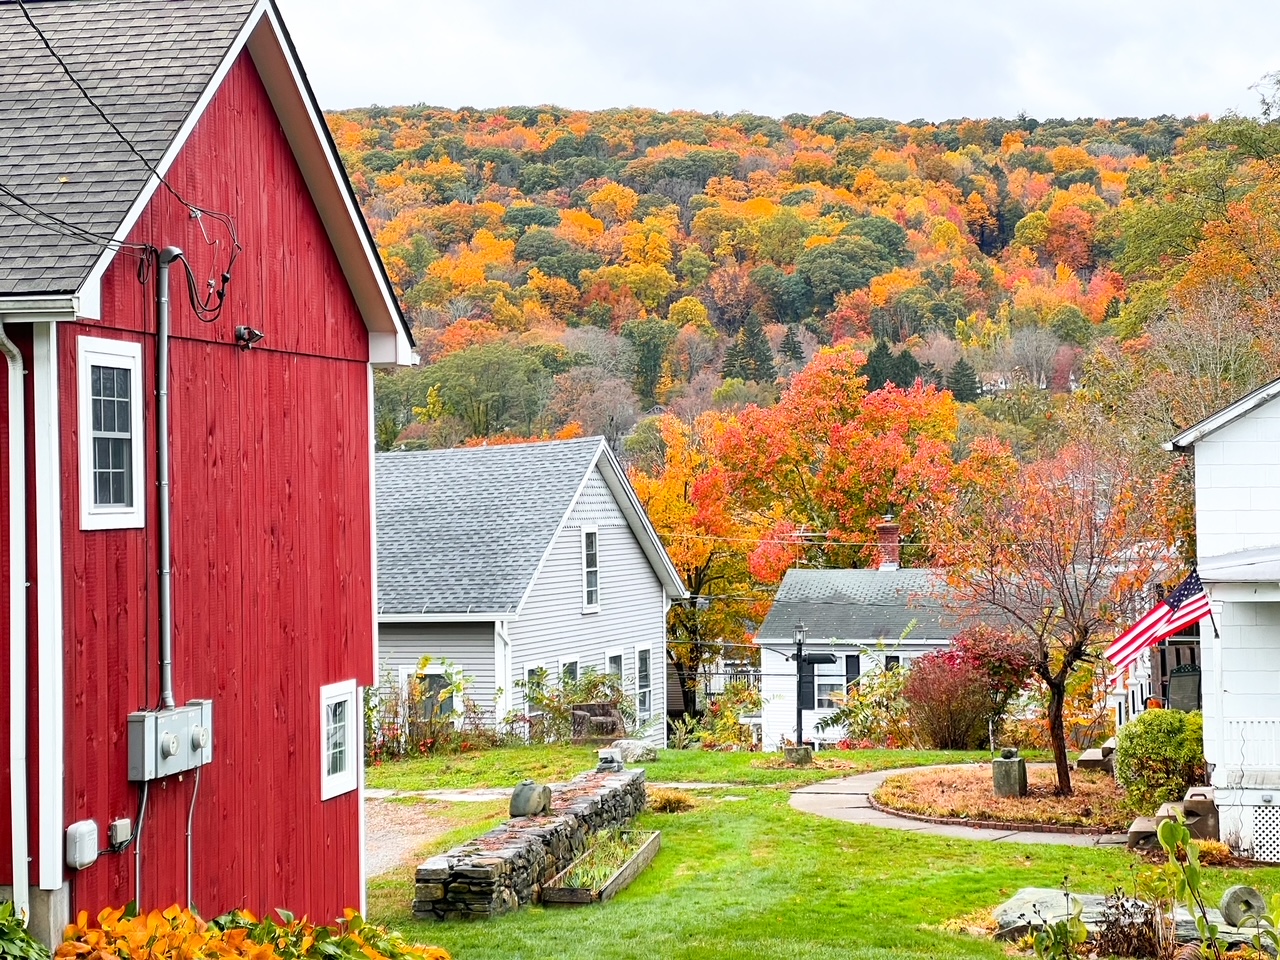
(968, 794)
(979, 923)
(776, 761)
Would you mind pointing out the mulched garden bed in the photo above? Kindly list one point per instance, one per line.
(1097, 806)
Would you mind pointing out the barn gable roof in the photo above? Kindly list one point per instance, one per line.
(465, 532)
(152, 65)
(859, 605)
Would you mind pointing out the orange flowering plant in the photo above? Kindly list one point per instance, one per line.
(178, 934)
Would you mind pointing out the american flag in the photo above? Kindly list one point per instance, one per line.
(1187, 604)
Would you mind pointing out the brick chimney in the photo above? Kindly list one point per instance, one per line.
(887, 532)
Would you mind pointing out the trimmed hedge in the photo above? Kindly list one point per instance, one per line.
(1159, 754)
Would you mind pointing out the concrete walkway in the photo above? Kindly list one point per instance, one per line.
(848, 799)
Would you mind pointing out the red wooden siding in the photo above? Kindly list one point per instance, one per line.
(272, 544)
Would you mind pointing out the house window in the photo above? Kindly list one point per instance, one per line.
(892, 661)
(112, 462)
(830, 680)
(590, 569)
(644, 683)
(568, 671)
(613, 663)
(431, 684)
(339, 739)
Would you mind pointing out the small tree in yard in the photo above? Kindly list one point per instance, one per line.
(1054, 548)
(956, 696)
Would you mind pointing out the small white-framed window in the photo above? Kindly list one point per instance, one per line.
(534, 674)
(112, 454)
(339, 739)
(829, 679)
(644, 683)
(613, 662)
(425, 701)
(569, 671)
(590, 569)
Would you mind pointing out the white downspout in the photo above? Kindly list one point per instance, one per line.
(17, 624)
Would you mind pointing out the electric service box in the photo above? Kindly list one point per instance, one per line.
(165, 742)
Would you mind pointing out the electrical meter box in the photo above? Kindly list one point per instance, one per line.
(165, 742)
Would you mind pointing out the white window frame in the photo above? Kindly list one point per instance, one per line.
(828, 675)
(587, 605)
(335, 784)
(577, 669)
(621, 654)
(524, 675)
(409, 674)
(643, 715)
(121, 354)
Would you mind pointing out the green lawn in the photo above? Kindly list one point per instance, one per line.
(507, 766)
(755, 879)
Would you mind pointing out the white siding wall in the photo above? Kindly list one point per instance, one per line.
(1238, 485)
(778, 684)
(552, 626)
(469, 646)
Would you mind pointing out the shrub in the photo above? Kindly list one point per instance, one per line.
(1159, 754)
(178, 934)
(948, 702)
(873, 710)
(16, 942)
(551, 702)
(721, 726)
(669, 801)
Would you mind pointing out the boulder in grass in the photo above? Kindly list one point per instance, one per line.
(635, 751)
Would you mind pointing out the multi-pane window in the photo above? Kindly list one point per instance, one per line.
(111, 394)
(590, 569)
(336, 738)
(613, 664)
(112, 461)
(644, 683)
(339, 739)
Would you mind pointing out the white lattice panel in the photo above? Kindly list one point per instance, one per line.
(1266, 833)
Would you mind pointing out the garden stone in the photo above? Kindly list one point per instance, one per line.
(529, 800)
(636, 751)
(1031, 907)
(1239, 902)
(1009, 776)
(1092, 759)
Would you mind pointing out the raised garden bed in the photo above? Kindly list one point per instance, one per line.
(589, 879)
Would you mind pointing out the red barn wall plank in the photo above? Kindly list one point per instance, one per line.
(272, 543)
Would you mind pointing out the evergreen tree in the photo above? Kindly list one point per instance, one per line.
(758, 356)
(962, 381)
(735, 357)
(879, 366)
(904, 369)
(931, 375)
(791, 348)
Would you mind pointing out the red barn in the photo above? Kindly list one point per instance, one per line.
(186, 553)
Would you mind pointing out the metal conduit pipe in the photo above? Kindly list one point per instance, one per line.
(167, 256)
(17, 523)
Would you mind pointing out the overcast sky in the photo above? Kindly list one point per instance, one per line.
(936, 59)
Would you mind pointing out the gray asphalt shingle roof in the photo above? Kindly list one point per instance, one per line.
(869, 605)
(464, 530)
(145, 62)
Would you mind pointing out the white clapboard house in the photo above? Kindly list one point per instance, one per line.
(510, 559)
(1237, 490)
(870, 619)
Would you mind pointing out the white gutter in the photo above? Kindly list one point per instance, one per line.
(17, 624)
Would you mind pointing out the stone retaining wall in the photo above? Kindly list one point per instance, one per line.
(505, 868)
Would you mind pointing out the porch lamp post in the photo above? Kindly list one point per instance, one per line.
(802, 660)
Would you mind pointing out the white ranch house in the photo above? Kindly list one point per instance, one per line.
(507, 559)
(1237, 489)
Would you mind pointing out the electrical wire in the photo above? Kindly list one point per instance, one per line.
(191, 813)
(208, 307)
(137, 850)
